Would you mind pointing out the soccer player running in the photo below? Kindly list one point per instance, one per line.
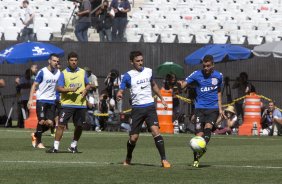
(73, 86)
(45, 83)
(141, 83)
(208, 101)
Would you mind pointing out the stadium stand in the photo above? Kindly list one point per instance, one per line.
(208, 21)
(167, 21)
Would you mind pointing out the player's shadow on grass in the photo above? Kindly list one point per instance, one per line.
(141, 164)
(204, 166)
(61, 151)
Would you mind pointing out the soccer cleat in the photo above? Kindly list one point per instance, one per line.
(165, 164)
(127, 162)
(73, 150)
(195, 163)
(52, 150)
(40, 146)
(33, 140)
(97, 129)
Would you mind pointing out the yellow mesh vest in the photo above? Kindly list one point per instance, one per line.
(73, 79)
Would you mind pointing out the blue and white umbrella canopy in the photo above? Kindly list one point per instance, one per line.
(219, 53)
(29, 51)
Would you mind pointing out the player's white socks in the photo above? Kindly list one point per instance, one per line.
(56, 145)
(74, 144)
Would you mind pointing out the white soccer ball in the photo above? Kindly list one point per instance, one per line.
(197, 144)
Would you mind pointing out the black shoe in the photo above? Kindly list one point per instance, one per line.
(73, 150)
(52, 150)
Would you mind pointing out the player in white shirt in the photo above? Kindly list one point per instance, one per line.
(45, 83)
(141, 84)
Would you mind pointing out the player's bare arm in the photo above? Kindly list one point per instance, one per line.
(61, 89)
(183, 84)
(32, 90)
(157, 92)
(119, 94)
(219, 94)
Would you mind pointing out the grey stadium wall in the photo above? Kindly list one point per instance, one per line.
(264, 73)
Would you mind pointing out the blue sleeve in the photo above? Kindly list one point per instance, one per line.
(86, 81)
(152, 77)
(125, 82)
(127, 5)
(61, 80)
(113, 4)
(220, 81)
(191, 78)
(39, 77)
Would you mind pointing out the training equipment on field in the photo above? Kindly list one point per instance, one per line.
(198, 144)
(165, 114)
(31, 121)
(252, 115)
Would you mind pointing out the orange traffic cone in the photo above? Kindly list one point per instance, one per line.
(31, 121)
(165, 115)
(252, 116)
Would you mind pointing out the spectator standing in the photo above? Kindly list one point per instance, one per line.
(84, 21)
(141, 84)
(92, 96)
(23, 86)
(27, 20)
(112, 82)
(121, 8)
(171, 84)
(208, 104)
(243, 87)
(104, 22)
(73, 85)
(45, 81)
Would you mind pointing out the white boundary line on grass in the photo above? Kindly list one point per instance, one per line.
(247, 166)
(108, 163)
(52, 162)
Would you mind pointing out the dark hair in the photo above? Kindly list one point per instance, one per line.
(244, 74)
(28, 74)
(72, 55)
(25, 1)
(272, 102)
(134, 54)
(54, 55)
(208, 58)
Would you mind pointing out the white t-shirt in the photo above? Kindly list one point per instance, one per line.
(139, 84)
(47, 85)
(26, 16)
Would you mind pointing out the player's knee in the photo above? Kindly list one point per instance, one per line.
(133, 138)
(41, 122)
(49, 123)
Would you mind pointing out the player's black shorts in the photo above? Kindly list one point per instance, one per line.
(77, 114)
(45, 111)
(139, 115)
(204, 116)
(57, 108)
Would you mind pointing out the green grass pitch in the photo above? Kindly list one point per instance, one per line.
(229, 159)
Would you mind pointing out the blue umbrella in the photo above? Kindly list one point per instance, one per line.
(219, 53)
(29, 51)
